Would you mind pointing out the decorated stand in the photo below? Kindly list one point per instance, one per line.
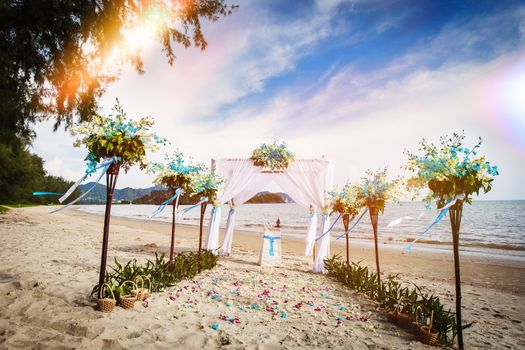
(113, 143)
(347, 204)
(175, 174)
(206, 183)
(452, 173)
(373, 191)
(307, 181)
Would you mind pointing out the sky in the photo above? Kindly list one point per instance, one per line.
(355, 81)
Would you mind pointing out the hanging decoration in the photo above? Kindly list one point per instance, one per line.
(275, 156)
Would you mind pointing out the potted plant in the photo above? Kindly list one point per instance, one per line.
(124, 143)
(206, 183)
(347, 204)
(373, 191)
(452, 173)
(175, 173)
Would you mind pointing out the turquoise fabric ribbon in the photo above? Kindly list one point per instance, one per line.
(47, 194)
(184, 211)
(354, 225)
(438, 218)
(104, 166)
(325, 216)
(163, 205)
(272, 239)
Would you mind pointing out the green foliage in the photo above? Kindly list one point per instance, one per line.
(160, 272)
(450, 169)
(58, 57)
(374, 189)
(22, 173)
(391, 294)
(347, 200)
(3, 209)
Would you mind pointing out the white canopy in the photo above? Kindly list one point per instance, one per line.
(306, 181)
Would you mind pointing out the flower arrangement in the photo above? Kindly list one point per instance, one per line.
(117, 136)
(346, 201)
(450, 170)
(175, 172)
(275, 156)
(206, 182)
(374, 189)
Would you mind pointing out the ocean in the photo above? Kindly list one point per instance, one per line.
(487, 226)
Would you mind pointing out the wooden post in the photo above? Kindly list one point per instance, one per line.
(173, 223)
(374, 214)
(455, 213)
(346, 223)
(111, 181)
(199, 256)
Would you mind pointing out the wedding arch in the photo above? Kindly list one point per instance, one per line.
(306, 181)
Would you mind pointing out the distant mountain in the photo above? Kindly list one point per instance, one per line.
(98, 193)
(159, 196)
(268, 197)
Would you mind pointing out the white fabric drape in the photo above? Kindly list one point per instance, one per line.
(324, 247)
(212, 241)
(310, 234)
(305, 181)
(228, 233)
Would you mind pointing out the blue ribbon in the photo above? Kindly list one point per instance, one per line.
(185, 210)
(272, 239)
(104, 165)
(163, 205)
(438, 218)
(47, 194)
(325, 216)
(354, 225)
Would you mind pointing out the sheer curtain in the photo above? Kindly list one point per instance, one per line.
(307, 182)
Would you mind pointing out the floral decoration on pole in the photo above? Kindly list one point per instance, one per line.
(374, 191)
(206, 183)
(275, 156)
(347, 203)
(452, 173)
(119, 139)
(175, 173)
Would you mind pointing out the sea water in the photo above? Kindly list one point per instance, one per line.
(486, 226)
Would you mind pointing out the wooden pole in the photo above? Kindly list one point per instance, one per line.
(111, 181)
(455, 213)
(173, 223)
(374, 214)
(199, 255)
(346, 223)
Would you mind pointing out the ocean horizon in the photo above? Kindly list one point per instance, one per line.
(488, 227)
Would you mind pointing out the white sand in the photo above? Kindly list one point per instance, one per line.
(49, 263)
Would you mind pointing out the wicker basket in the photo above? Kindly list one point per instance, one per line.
(106, 304)
(392, 316)
(128, 301)
(141, 292)
(427, 334)
(415, 325)
(403, 320)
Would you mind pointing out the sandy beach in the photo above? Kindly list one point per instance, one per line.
(49, 264)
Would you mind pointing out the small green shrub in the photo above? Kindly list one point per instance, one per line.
(391, 293)
(159, 272)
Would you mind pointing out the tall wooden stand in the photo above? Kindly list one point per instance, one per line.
(173, 223)
(199, 255)
(374, 214)
(346, 223)
(455, 213)
(111, 181)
